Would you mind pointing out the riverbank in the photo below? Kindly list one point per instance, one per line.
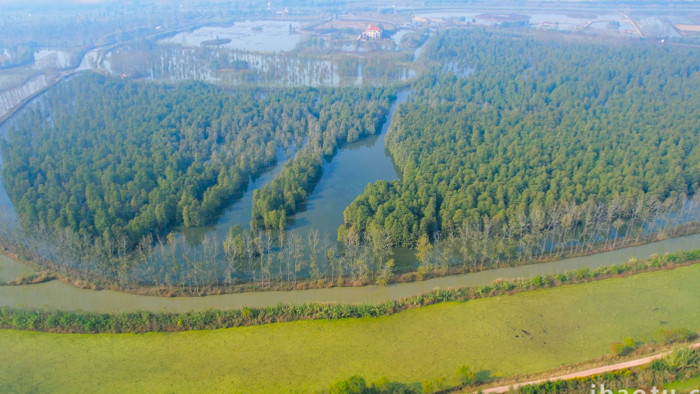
(142, 321)
(566, 325)
(61, 296)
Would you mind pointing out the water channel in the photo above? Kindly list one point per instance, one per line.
(12, 270)
(57, 295)
(354, 167)
(345, 176)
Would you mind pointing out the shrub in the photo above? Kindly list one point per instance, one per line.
(357, 384)
(352, 385)
(383, 385)
(583, 273)
(673, 335)
(563, 277)
(658, 365)
(466, 376)
(681, 360)
(623, 348)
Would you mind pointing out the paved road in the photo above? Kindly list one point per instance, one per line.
(588, 372)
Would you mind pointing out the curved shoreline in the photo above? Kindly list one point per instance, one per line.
(144, 321)
(60, 296)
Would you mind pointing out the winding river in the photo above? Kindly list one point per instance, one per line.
(57, 295)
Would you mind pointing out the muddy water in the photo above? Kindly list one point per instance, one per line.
(56, 295)
(12, 270)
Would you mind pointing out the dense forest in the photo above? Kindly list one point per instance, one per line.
(511, 149)
(518, 146)
(114, 161)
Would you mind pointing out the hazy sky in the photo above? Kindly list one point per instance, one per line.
(52, 2)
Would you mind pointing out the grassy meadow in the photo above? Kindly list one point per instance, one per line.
(505, 335)
(685, 386)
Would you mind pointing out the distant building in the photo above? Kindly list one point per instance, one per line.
(372, 32)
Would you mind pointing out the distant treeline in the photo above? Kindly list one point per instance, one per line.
(234, 67)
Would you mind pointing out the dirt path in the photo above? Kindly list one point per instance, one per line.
(588, 372)
(634, 25)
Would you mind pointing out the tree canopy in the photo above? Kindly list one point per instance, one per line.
(506, 129)
(111, 159)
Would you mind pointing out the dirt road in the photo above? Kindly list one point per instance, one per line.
(588, 372)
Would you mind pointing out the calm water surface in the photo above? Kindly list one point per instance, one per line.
(262, 36)
(11, 269)
(354, 167)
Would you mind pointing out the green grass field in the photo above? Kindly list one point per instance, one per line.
(685, 386)
(505, 335)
